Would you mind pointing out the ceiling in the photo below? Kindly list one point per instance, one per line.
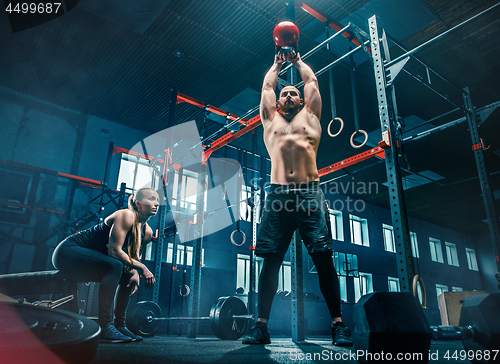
(119, 60)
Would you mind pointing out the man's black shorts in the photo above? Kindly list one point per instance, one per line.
(289, 207)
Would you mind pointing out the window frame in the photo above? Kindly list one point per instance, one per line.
(363, 233)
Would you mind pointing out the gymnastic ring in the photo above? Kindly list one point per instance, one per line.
(341, 127)
(417, 279)
(188, 291)
(360, 145)
(242, 233)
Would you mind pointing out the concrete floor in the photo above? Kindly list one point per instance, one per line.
(208, 349)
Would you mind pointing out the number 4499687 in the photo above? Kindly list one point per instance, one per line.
(32, 8)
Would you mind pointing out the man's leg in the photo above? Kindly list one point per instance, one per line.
(268, 285)
(328, 283)
(330, 288)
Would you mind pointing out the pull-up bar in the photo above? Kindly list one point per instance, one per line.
(438, 37)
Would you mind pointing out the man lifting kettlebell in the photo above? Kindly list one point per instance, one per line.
(295, 200)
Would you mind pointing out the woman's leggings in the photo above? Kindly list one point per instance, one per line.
(328, 282)
(86, 265)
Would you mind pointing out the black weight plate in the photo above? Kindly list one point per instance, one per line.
(28, 331)
(141, 312)
(213, 325)
(227, 327)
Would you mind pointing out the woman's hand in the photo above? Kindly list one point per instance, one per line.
(148, 276)
(135, 281)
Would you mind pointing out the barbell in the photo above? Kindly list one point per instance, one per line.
(228, 318)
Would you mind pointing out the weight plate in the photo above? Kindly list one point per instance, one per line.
(138, 317)
(215, 308)
(224, 326)
(23, 329)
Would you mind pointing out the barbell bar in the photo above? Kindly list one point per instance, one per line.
(180, 318)
(227, 318)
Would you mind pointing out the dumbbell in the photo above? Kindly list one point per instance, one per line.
(394, 323)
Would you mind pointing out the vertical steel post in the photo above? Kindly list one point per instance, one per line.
(194, 297)
(298, 322)
(489, 202)
(388, 116)
(164, 204)
(159, 250)
(254, 185)
(173, 268)
(111, 149)
(90, 297)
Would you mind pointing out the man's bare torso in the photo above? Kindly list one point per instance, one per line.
(292, 146)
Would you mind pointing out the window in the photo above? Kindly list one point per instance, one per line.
(148, 252)
(457, 289)
(336, 225)
(186, 193)
(136, 173)
(345, 264)
(359, 231)
(414, 244)
(243, 272)
(451, 254)
(393, 284)
(388, 238)
(362, 285)
(471, 259)
(285, 277)
(247, 193)
(180, 254)
(343, 288)
(440, 289)
(436, 251)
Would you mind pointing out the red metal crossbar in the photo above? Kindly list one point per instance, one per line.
(211, 108)
(318, 15)
(232, 135)
(11, 203)
(374, 152)
(54, 173)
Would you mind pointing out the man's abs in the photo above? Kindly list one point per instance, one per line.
(292, 147)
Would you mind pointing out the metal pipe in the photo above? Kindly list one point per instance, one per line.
(433, 119)
(334, 63)
(444, 126)
(354, 96)
(434, 90)
(315, 49)
(438, 37)
(423, 64)
(330, 78)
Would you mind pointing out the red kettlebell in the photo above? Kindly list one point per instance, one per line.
(286, 37)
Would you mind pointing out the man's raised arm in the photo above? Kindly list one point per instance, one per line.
(268, 97)
(312, 97)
